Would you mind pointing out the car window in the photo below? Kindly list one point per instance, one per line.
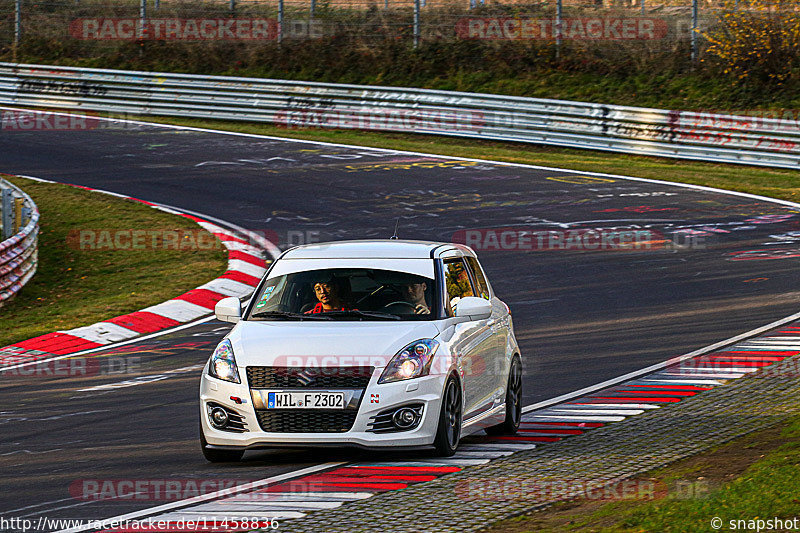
(481, 286)
(457, 283)
(346, 294)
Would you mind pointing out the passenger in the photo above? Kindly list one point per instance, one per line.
(329, 294)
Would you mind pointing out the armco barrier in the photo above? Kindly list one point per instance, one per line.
(19, 253)
(681, 134)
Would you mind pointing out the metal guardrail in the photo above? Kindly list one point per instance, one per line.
(19, 249)
(639, 131)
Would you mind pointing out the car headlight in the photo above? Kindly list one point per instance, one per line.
(223, 363)
(413, 361)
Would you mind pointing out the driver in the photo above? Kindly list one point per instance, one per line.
(414, 294)
(329, 293)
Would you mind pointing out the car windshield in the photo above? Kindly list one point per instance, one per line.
(346, 294)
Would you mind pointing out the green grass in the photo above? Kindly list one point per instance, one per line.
(775, 183)
(753, 477)
(75, 287)
(767, 489)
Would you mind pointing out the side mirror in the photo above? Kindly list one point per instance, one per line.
(228, 310)
(473, 308)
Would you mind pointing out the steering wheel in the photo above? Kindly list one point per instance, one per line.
(405, 307)
(377, 291)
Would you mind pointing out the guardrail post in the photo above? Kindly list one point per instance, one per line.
(280, 21)
(17, 26)
(416, 24)
(694, 30)
(557, 28)
(18, 205)
(25, 216)
(142, 19)
(8, 213)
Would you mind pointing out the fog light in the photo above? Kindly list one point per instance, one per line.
(219, 417)
(404, 418)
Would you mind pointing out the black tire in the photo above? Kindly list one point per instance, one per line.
(510, 425)
(215, 455)
(448, 433)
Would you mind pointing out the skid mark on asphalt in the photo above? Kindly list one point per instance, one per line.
(143, 380)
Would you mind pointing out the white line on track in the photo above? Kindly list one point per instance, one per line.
(208, 497)
(110, 346)
(660, 366)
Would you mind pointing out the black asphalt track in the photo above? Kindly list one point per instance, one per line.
(581, 316)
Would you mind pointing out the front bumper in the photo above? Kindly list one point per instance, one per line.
(375, 399)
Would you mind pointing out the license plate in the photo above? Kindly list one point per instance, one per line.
(305, 400)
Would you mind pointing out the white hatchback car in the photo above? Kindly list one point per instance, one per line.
(379, 343)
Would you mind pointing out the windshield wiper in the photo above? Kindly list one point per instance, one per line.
(362, 314)
(288, 315)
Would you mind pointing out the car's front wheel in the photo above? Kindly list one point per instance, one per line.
(513, 402)
(216, 455)
(448, 433)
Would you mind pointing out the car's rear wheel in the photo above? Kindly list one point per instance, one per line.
(448, 433)
(216, 455)
(510, 425)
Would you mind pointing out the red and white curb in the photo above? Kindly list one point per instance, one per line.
(246, 266)
(343, 483)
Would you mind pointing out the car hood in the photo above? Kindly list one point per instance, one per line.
(324, 344)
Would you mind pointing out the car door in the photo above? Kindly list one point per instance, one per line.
(472, 340)
(496, 360)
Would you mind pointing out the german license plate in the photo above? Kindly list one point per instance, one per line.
(305, 400)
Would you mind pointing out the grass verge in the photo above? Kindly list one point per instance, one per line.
(750, 478)
(775, 183)
(76, 287)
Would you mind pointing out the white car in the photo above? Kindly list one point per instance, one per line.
(374, 343)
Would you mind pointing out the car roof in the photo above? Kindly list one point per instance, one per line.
(371, 249)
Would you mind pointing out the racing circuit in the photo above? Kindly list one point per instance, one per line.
(721, 265)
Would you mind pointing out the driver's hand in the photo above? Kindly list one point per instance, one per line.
(421, 310)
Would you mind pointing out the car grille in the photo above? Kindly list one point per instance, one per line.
(295, 421)
(268, 377)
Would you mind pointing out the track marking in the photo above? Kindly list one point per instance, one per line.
(273, 250)
(210, 496)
